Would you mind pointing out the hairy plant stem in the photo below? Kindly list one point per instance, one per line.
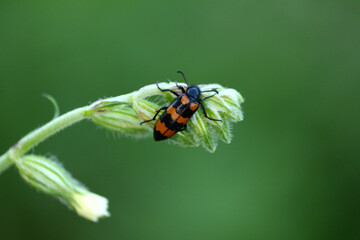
(39, 135)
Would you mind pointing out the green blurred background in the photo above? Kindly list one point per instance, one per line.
(292, 170)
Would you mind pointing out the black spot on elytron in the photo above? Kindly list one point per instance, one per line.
(188, 113)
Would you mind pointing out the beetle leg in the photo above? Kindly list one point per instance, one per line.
(163, 108)
(164, 90)
(211, 95)
(212, 90)
(203, 108)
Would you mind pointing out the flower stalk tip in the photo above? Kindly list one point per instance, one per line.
(91, 206)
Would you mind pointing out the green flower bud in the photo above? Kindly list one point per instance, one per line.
(121, 118)
(125, 113)
(51, 178)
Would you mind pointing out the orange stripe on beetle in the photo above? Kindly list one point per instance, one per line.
(185, 100)
(172, 111)
(160, 126)
(193, 106)
(182, 120)
(169, 133)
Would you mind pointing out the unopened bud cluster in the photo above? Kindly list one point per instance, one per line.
(125, 113)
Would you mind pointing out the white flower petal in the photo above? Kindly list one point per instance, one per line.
(91, 206)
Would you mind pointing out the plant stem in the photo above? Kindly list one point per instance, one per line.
(5, 162)
(39, 135)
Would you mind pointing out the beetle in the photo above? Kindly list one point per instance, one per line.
(179, 112)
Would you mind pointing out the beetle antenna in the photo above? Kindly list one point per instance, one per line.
(183, 74)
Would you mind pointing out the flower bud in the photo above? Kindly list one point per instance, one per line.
(51, 178)
(120, 118)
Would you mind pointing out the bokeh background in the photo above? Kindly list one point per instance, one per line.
(292, 170)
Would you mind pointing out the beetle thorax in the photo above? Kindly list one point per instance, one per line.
(193, 92)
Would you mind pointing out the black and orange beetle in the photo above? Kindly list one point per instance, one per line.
(176, 116)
